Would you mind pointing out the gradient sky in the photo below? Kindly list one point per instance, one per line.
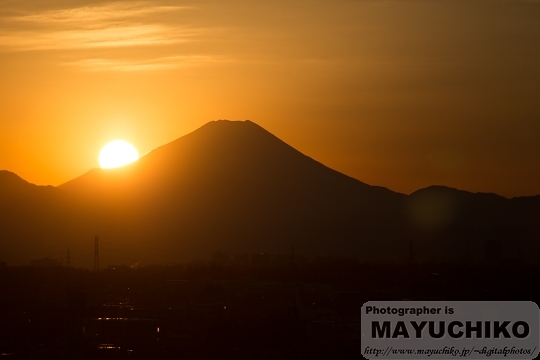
(402, 94)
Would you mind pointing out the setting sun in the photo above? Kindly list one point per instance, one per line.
(117, 153)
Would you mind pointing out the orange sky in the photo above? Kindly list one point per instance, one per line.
(397, 93)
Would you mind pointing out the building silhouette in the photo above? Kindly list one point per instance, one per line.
(45, 262)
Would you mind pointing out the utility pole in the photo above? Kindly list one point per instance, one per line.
(96, 256)
(68, 259)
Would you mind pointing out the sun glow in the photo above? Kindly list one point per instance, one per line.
(117, 153)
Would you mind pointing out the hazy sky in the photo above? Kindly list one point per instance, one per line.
(402, 94)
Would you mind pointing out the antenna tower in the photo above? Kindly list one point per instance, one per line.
(96, 255)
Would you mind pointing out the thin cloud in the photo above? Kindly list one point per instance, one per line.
(110, 25)
(123, 36)
(163, 63)
(83, 16)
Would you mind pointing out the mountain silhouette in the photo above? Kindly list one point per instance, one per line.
(30, 216)
(235, 187)
(455, 225)
(239, 164)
